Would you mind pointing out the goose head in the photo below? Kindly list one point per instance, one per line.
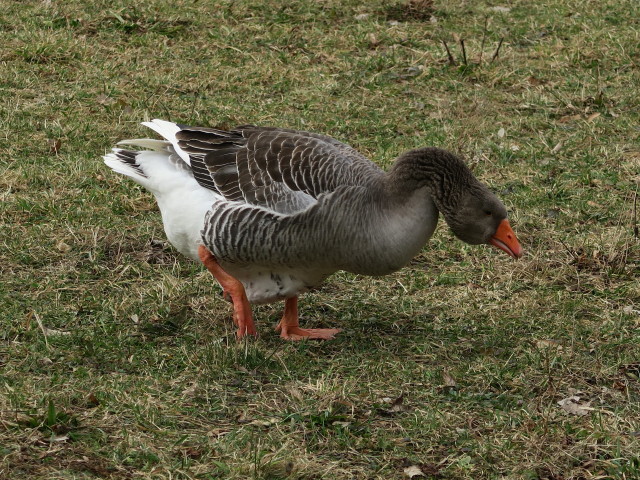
(472, 211)
(480, 217)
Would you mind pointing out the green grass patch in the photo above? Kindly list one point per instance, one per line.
(117, 356)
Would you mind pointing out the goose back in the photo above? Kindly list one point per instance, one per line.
(279, 169)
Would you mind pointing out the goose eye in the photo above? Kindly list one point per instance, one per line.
(488, 213)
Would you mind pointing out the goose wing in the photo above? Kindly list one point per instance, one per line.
(282, 170)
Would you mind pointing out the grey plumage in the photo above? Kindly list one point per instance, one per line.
(291, 207)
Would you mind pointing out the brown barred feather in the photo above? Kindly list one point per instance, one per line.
(272, 164)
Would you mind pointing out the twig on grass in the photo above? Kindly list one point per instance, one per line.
(452, 61)
(495, 55)
(635, 213)
(464, 51)
(484, 38)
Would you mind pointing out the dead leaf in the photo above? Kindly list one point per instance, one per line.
(631, 370)
(535, 81)
(572, 406)
(193, 452)
(569, 118)
(92, 401)
(104, 99)
(58, 438)
(397, 405)
(500, 9)
(449, 381)
(61, 246)
(619, 386)
(264, 423)
(361, 16)
(190, 390)
(593, 116)
(414, 471)
(296, 393)
(342, 424)
(557, 148)
(52, 332)
(54, 145)
(548, 343)
(501, 133)
(373, 40)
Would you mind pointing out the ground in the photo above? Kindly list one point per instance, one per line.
(118, 357)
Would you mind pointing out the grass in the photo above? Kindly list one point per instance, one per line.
(118, 359)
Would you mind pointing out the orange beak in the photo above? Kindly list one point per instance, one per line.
(505, 239)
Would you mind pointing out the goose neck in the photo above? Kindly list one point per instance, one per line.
(442, 174)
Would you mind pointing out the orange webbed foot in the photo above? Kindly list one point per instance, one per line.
(289, 326)
(297, 333)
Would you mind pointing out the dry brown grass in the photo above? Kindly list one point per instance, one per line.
(117, 355)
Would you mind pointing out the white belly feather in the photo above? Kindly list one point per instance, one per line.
(266, 285)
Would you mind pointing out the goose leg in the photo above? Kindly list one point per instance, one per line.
(289, 326)
(233, 290)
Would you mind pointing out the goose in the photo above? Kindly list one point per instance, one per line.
(272, 212)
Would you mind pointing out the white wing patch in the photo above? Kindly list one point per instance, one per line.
(168, 130)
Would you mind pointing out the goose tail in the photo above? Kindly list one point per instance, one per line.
(124, 162)
(168, 131)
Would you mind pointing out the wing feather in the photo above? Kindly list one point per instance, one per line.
(278, 169)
